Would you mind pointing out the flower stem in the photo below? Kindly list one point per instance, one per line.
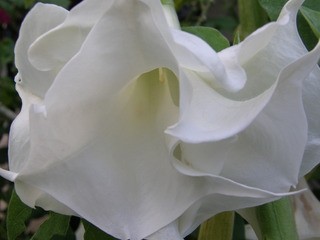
(220, 227)
(276, 220)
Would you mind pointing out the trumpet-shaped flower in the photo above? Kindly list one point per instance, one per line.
(144, 130)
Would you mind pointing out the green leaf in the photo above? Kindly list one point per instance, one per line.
(313, 19)
(92, 232)
(18, 3)
(62, 3)
(306, 33)
(6, 51)
(314, 174)
(56, 224)
(8, 94)
(272, 7)
(18, 213)
(210, 35)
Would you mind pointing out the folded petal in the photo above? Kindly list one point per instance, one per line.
(206, 115)
(34, 81)
(9, 175)
(267, 149)
(19, 138)
(218, 113)
(195, 54)
(60, 44)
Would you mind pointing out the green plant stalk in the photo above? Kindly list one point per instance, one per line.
(167, 2)
(220, 227)
(276, 221)
(251, 17)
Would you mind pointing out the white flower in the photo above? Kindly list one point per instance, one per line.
(135, 126)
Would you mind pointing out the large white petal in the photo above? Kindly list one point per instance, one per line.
(124, 173)
(279, 149)
(101, 130)
(115, 52)
(34, 81)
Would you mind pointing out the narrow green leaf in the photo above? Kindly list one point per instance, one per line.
(18, 213)
(28, 3)
(276, 220)
(220, 227)
(56, 224)
(251, 16)
(239, 228)
(210, 35)
(237, 37)
(313, 19)
(92, 232)
(312, 4)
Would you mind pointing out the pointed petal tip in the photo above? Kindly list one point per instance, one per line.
(11, 176)
(291, 7)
